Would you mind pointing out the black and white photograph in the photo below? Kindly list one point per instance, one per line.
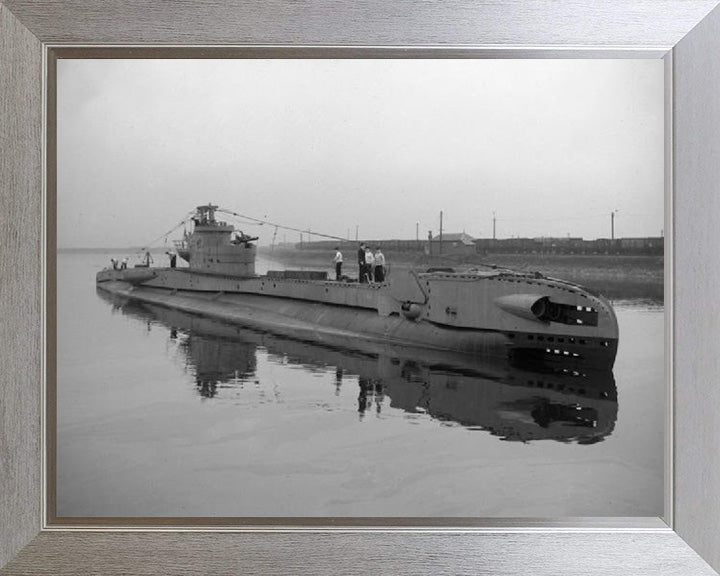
(360, 288)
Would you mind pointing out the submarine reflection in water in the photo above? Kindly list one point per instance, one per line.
(514, 402)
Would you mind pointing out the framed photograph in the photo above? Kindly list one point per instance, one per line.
(341, 353)
(434, 301)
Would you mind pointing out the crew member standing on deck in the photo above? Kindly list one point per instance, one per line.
(338, 263)
(362, 277)
(379, 265)
(173, 259)
(148, 259)
(369, 264)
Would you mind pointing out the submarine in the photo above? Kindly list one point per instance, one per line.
(490, 312)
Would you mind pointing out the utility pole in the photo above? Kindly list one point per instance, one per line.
(494, 219)
(440, 247)
(612, 225)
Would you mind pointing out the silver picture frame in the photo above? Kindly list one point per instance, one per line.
(686, 34)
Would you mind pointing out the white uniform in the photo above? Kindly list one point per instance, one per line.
(338, 265)
(370, 265)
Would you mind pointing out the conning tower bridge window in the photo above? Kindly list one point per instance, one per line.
(205, 215)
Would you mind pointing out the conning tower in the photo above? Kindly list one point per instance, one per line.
(215, 247)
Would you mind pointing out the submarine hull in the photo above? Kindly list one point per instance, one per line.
(348, 313)
(316, 321)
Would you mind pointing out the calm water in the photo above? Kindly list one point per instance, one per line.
(165, 414)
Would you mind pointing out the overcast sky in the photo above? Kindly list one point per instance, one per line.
(551, 146)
